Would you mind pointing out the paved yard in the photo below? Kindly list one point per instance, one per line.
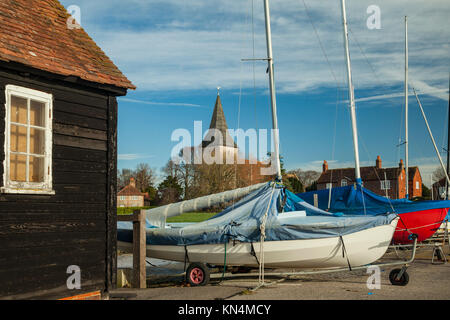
(427, 282)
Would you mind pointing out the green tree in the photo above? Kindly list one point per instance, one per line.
(426, 192)
(169, 191)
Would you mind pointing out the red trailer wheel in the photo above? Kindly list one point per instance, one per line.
(197, 274)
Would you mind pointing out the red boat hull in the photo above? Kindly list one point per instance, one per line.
(423, 223)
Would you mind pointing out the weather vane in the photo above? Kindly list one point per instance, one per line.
(218, 91)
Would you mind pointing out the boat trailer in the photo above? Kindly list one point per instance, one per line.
(198, 274)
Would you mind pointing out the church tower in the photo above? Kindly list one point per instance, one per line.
(218, 136)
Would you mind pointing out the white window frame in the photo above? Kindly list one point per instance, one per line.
(16, 187)
(344, 183)
(417, 185)
(385, 185)
(329, 185)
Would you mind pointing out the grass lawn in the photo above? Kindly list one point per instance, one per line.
(185, 217)
(191, 217)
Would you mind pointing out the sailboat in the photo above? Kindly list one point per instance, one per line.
(268, 227)
(422, 218)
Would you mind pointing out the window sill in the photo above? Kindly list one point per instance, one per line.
(27, 191)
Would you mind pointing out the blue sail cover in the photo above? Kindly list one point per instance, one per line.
(358, 200)
(242, 222)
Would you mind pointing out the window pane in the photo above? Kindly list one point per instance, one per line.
(18, 168)
(18, 139)
(36, 169)
(37, 111)
(37, 141)
(18, 110)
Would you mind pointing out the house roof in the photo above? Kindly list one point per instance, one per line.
(218, 122)
(36, 33)
(367, 174)
(130, 190)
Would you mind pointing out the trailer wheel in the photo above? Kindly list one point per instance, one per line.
(403, 281)
(197, 274)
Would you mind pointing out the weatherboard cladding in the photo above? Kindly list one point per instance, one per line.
(42, 235)
(35, 33)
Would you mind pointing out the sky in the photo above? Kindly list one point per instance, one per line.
(178, 52)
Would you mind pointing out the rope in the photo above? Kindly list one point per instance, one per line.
(344, 252)
(263, 236)
(224, 262)
(428, 225)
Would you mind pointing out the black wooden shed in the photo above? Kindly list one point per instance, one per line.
(58, 155)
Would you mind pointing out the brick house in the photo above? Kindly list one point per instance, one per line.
(383, 181)
(130, 196)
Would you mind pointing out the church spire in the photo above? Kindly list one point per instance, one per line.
(219, 122)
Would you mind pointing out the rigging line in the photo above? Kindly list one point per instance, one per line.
(254, 67)
(384, 84)
(336, 81)
(240, 101)
(320, 42)
(376, 173)
(402, 119)
(333, 149)
(445, 130)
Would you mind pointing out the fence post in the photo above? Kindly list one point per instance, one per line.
(139, 250)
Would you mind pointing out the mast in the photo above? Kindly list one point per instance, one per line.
(351, 94)
(448, 139)
(432, 138)
(406, 110)
(272, 89)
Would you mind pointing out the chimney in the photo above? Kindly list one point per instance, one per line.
(132, 182)
(400, 165)
(378, 162)
(325, 166)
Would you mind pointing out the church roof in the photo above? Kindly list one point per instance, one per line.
(218, 122)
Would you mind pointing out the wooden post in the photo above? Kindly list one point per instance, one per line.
(139, 252)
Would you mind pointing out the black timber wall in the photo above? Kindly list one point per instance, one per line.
(41, 235)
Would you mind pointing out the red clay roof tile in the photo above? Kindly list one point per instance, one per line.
(35, 33)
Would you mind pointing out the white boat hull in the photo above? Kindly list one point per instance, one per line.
(362, 248)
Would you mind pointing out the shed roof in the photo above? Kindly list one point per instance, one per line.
(36, 33)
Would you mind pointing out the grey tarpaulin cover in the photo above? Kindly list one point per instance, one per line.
(242, 222)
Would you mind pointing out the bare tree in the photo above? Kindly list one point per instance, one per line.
(438, 174)
(307, 178)
(145, 176)
(123, 177)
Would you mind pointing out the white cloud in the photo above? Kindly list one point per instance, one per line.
(200, 44)
(179, 104)
(133, 156)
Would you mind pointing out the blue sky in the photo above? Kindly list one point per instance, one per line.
(177, 52)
